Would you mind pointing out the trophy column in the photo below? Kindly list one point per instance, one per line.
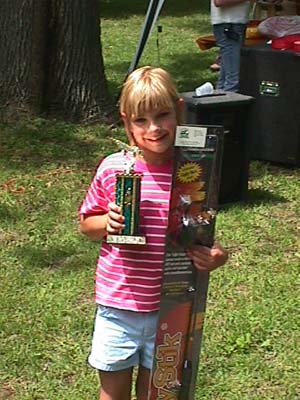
(128, 188)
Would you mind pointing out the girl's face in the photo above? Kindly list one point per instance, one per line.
(153, 132)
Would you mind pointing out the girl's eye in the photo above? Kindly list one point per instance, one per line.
(139, 120)
(164, 114)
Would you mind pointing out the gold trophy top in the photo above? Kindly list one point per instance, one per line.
(133, 152)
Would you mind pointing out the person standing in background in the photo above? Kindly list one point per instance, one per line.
(229, 19)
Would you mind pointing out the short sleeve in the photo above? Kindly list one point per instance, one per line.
(97, 196)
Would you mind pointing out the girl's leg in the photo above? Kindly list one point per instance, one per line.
(115, 385)
(142, 383)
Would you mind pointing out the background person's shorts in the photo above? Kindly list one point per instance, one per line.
(122, 339)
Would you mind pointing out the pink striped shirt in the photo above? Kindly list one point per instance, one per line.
(130, 277)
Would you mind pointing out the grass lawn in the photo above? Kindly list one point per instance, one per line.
(251, 339)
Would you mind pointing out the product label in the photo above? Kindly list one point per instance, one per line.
(190, 136)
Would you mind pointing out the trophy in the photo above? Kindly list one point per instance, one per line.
(127, 196)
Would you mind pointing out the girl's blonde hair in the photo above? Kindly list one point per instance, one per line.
(148, 88)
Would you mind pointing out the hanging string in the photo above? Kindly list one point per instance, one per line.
(159, 30)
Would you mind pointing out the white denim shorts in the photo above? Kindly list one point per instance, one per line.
(122, 339)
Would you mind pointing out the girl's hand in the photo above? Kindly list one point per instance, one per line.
(115, 220)
(207, 259)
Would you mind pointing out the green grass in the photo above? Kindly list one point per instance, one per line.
(250, 348)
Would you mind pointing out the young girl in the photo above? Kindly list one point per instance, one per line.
(129, 278)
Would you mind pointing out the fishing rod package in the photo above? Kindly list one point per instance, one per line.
(192, 217)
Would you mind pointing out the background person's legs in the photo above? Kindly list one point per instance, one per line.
(229, 38)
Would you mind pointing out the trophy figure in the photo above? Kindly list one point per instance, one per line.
(128, 187)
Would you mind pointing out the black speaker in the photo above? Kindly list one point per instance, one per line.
(229, 110)
(272, 77)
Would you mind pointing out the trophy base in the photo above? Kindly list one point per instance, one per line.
(125, 239)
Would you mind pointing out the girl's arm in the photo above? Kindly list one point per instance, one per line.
(94, 226)
(98, 226)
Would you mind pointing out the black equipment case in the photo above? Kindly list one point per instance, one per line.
(272, 77)
(231, 111)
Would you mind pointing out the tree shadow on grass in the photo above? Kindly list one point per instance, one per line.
(260, 168)
(261, 196)
(198, 71)
(33, 144)
(56, 256)
(255, 197)
(119, 9)
(9, 213)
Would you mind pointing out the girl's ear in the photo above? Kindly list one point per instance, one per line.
(127, 126)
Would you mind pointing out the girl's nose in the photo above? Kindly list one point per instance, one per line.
(154, 126)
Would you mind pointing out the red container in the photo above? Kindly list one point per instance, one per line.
(285, 42)
(296, 46)
(281, 44)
